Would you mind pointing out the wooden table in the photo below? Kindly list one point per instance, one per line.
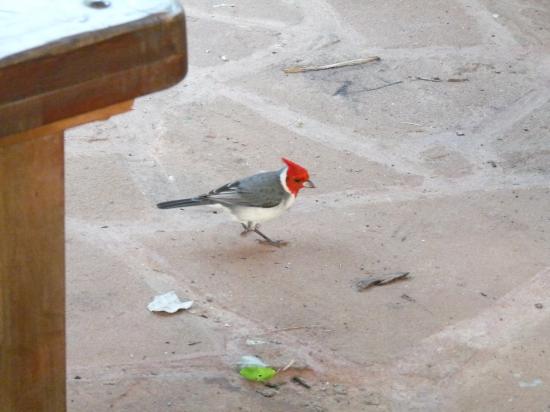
(61, 64)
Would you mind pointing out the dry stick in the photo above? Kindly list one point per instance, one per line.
(301, 69)
(295, 328)
(437, 79)
(427, 79)
(287, 366)
(301, 382)
(379, 87)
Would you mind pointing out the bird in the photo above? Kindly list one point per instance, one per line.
(255, 199)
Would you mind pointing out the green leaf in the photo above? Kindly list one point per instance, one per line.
(256, 373)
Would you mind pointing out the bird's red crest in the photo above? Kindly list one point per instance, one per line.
(295, 170)
(296, 176)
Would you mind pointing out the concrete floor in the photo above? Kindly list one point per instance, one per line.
(447, 180)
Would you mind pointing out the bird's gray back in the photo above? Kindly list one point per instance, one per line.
(260, 190)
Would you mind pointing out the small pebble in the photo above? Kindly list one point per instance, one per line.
(373, 399)
(340, 390)
(539, 305)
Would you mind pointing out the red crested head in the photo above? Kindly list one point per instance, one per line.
(297, 177)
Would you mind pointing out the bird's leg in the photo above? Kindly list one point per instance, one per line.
(268, 241)
(247, 228)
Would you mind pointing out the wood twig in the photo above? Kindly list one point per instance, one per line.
(429, 79)
(379, 280)
(302, 69)
(287, 366)
(295, 328)
(411, 123)
(437, 79)
(377, 88)
(300, 381)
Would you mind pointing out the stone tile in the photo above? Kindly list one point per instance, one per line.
(215, 40)
(403, 112)
(286, 12)
(311, 281)
(400, 23)
(230, 141)
(525, 149)
(108, 321)
(528, 20)
(99, 188)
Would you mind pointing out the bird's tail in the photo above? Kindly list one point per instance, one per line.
(194, 201)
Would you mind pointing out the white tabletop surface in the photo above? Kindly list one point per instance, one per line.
(28, 24)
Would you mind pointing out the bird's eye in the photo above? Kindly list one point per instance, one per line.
(297, 180)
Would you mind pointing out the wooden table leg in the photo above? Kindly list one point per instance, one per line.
(32, 275)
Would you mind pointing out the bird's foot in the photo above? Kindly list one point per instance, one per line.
(275, 243)
(267, 241)
(247, 229)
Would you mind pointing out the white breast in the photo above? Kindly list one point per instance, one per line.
(260, 214)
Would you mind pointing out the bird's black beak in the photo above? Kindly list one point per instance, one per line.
(309, 184)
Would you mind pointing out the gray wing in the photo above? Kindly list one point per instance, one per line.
(261, 190)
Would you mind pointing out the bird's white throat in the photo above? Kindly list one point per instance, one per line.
(282, 177)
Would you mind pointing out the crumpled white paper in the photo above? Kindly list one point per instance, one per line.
(247, 361)
(169, 302)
